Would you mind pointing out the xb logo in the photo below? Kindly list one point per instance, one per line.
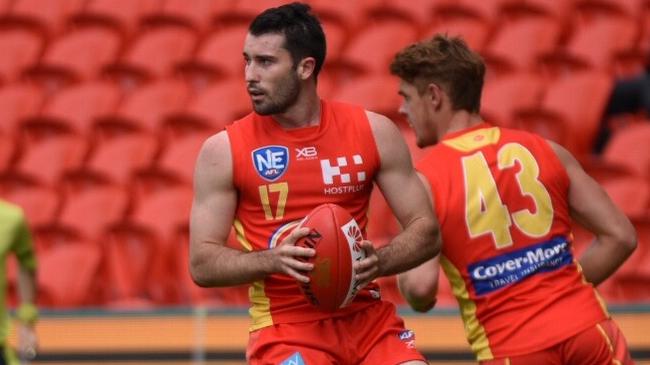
(306, 153)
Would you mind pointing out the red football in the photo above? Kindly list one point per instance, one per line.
(336, 237)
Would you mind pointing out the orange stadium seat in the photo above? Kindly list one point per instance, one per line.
(336, 37)
(147, 107)
(130, 268)
(597, 44)
(78, 55)
(40, 203)
(377, 93)
(155, 52)
(220, 54)
(47, 17)
(373, 47)
(18, 101)
(7, 150)
(47, 159)
(219, 105)
(351, 14)
(119, 157)
(77, 108)
(571, 110)
(518, 44)
(418, 12)
(196, 14)
(19, 49)
(474, 31)
(607, 8)
(486, 10)
(121, 15)
(69, 275)
(630, 194)
(558, 10)
(629, 148)
(180, 155)
(631, 280)
(505, 95)
(165, 211)
(91, 205)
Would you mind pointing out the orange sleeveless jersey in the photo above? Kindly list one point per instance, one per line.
(280, 176)
(501, 198)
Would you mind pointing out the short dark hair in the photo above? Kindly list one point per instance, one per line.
(447, 62)
(304, 36)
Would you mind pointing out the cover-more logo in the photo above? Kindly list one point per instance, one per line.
(271, 162)
(333, 170)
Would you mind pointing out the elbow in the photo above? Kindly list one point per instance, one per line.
(198, 275)
(627, 238)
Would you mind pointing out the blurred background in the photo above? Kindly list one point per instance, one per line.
(105, 103)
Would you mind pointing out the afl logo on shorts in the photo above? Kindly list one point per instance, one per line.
(271, 162)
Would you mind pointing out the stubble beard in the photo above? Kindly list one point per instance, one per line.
(285, 97)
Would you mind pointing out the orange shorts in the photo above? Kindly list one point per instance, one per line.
(372, 336)
(602, 344)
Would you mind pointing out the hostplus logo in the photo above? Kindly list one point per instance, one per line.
(337, 172)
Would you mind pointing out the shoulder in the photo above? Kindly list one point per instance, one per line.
(11, 213)
(382, 127)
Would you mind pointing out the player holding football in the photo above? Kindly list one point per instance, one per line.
(505, 200)
(270, 169)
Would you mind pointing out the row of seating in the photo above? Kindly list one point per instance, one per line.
(616, 43)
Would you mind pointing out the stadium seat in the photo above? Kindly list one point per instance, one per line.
(503, 96)
(596, 44)
(146, 107)
(120, 15)
(631, 280)
(571, 110)
(19, 49)
(629, 149)
(91, 205)
(518, 44)
(372, 48)
(195, 14)
(119, 157)
(243, 11)
(77, 108)
(180, 156)
(154, 53)
(18, 101)
(631, 195)
(46, 17)
(485, 10)
(7, 150)
(40, 203)
(336, 37)
(350, 14)
(220, 54)
(377, 93)
(558, 10)
(591, 9)
(77, 56)
(47, 159)
(165, 211)
(382, 224)
(69, 275)
(474, 31)
(130, 268)
(219, 105)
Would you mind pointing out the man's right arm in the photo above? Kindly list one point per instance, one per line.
(212, 263)
(593, 209)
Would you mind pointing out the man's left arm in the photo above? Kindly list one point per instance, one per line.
(27, 312)
(419, 240)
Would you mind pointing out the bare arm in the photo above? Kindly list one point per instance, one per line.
(419, 286)
(406, 196)
(213, 210)
(592, 208)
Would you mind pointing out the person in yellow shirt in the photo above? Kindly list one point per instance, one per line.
(15, 238)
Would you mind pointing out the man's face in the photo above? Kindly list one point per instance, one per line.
(271, 77)
(419, 112)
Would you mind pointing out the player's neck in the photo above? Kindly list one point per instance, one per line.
(461, 120)
(304, 113)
